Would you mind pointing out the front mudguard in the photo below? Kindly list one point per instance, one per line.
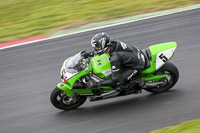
(70, 92)
(66, 88)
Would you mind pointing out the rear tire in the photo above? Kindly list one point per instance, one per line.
(173, 73)
(60, 100)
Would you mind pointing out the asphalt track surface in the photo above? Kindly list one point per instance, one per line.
(29, 73)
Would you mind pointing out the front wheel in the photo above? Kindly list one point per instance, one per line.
(171, 79)
(60, 100)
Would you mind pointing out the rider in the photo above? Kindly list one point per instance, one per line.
(121, 55)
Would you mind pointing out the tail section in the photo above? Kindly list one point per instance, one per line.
(161, 54)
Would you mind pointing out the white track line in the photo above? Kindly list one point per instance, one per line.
(101, 27)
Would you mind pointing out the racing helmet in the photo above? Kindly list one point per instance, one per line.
(100, 42)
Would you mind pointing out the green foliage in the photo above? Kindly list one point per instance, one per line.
(24, 18)
(185, 127)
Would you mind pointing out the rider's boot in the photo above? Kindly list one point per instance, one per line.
(122, 88)
(140, 83)
(137, 86)
(119, 89)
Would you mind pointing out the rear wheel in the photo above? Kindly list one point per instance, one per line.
(60, 100)
(169, 81)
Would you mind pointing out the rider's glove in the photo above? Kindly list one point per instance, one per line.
(85, 54)
(93, 84)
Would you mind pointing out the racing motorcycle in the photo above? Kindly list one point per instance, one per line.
(159, 75)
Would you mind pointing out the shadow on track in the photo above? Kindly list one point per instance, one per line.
(139, 103)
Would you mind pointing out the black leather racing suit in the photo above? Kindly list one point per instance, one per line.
(129, 57)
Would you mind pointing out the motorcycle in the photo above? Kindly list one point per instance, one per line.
(159, 75)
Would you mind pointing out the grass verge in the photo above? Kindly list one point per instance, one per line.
(185, 127)
(25, 18)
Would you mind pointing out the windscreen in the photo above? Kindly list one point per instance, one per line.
(72, 63)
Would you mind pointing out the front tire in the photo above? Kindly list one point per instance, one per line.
(60, 100)
(172, 79)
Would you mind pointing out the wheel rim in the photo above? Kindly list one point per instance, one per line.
(63, 99)
(168, 81)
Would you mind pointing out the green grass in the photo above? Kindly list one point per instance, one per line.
(185, 127)
(24, 18)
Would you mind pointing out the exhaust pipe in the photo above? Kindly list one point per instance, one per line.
(110, 94)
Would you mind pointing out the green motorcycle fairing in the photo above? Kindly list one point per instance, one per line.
(100, 66)
(67, 86)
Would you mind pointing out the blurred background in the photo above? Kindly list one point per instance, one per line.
(29, 73)
(26, 18)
